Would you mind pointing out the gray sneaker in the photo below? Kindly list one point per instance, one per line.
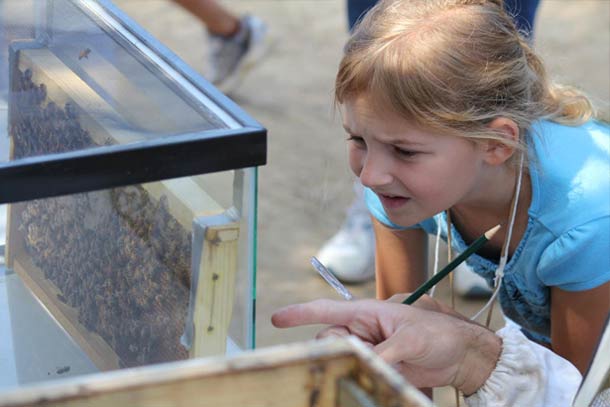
(231, 58)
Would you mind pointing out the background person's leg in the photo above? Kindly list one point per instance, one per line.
(217, 19)
(356, 9)
(524, 13)
(236, 44)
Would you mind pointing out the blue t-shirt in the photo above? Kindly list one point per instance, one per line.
(567, 240)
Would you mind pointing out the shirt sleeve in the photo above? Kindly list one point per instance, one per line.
(578, 259)
(527, 374)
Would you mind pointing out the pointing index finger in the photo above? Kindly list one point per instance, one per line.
(315, 312)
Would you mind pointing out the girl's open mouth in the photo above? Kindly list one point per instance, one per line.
(392, 202)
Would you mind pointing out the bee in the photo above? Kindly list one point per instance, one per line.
(62, 370)
(84, 53)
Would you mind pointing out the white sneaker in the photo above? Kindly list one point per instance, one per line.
(469, 284)
(231, 58)
(350, 253)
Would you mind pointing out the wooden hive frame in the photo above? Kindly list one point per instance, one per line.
(329, 373)
(187, 202)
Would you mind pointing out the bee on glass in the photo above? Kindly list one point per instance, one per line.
(84, 53)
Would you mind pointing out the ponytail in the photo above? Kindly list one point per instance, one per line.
(562, 104)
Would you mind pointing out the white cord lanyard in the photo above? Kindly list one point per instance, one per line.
(499, 274)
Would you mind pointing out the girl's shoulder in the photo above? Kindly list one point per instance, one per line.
(570, 174)
(571, 199)
(554, 141)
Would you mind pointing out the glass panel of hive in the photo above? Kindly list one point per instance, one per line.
(84, 75)
(134, 275)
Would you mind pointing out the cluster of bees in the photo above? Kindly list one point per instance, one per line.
(117, 256)
(39, 127)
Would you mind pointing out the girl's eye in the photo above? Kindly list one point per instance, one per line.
(358, 140)
(404, 153)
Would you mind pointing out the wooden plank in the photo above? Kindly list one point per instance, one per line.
(186, 199)
(384, 384)
(216, 268)
(14, 239)
(101, 354)
(13, 219)
(285, 386)
(295, 375)
(352, 395)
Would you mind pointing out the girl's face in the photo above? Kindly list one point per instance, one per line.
(415, 173)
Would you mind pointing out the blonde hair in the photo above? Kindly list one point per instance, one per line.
(453, 66)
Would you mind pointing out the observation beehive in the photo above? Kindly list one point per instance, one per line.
(131, 185)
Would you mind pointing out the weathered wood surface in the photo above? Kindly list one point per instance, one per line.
(215, 291)
(297, 375)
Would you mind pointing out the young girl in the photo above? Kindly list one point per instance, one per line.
(454, 128)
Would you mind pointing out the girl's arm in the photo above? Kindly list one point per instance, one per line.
(400, 259)
(577, 320)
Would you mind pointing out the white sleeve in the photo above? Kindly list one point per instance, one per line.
(527, 374)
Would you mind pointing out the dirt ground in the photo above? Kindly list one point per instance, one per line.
(306, 185)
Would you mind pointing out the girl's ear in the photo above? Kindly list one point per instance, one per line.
(496, 151)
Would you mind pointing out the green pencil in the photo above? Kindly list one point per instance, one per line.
(476, 245)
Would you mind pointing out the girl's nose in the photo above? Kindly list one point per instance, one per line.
(375, 172)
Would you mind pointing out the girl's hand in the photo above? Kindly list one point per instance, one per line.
(429, 348)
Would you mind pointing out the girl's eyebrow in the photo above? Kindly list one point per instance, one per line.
(402, 141)
(394, 141)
